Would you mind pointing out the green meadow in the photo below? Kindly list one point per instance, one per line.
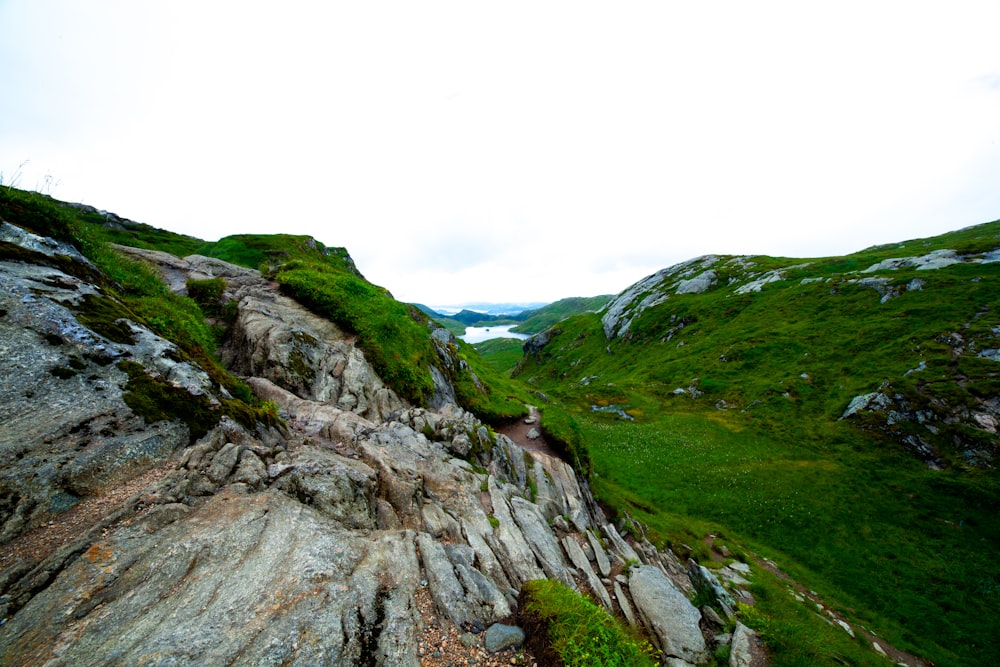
(720, 413)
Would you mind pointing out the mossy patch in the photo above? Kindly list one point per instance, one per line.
(155, 399)
(62, 372)
(14, 253)
(37, 213)
(107, 317)
(207, 293)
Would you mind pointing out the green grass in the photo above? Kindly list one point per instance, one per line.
(37, 213)
(487, 392)
(760, 456)
(502, 353)
(908, 551)
(394, 336)
(579, 632)
(796, 633)
(137, 234)
(540, 319)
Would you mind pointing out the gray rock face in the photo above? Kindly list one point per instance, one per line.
(697, 285)
(670, 615)
(281, 341)
(66, 432)
(873, 401)
(702, 578)
(49, 247)
(625, 307)
(300, 545)
(603, 564)
(580, 562)
(932, 260)
(245, 580)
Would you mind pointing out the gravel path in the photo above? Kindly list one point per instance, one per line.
(441, 644)
(519, 430)
(42, 542)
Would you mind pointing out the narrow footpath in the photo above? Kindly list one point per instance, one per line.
(527, 433)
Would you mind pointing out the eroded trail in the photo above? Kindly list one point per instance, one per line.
(528, 434)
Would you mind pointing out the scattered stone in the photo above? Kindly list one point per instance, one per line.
(712, 616)
(845, 626)
(500, 637)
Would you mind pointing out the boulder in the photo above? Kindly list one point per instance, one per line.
(670, 616)
(603, 564)
(743, 647)
(501, 637)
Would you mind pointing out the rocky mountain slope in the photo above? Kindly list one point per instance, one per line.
(206, 533)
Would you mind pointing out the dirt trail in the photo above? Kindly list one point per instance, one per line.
(518, 432)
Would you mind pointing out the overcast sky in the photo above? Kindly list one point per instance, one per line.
(503, 151)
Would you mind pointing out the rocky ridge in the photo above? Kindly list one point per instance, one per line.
(920, 418)
(302, 544)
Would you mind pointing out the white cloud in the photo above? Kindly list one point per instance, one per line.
(515, 151)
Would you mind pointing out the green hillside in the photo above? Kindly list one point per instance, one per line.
(395, 336)
(712, 397)
(134, 291)
(534, 321)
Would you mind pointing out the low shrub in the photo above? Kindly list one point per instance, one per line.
(566, 627)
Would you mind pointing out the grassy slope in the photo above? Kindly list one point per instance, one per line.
(540, 319)
(502, 353)
(132, 290)
(849, 512)
(393, 335)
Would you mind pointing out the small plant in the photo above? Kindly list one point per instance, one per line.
(579, 632)
(495, 522)
(207, 293)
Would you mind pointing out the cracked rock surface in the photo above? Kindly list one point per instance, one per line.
(307, 544)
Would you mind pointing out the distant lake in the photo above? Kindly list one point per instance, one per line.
(479, 334)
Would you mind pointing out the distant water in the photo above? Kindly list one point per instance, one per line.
(479, 334)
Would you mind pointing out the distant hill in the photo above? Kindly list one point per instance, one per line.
(534, 321)
(488, 308)
(531, 321)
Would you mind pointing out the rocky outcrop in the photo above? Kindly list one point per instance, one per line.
(67, 430)
(276, 338)
(654, 290)
(304, 544)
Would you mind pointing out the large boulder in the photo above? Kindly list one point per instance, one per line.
(668, 614)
